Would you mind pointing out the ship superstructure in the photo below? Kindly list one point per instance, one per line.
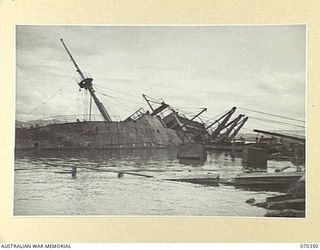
(140, 130)
(162, 126)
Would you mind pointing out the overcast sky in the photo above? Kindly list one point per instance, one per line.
(218, 67)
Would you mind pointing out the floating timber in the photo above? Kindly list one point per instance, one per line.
(207, 180)
(280, 181)
(291, 204)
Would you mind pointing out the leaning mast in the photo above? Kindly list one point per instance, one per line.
(86, 83)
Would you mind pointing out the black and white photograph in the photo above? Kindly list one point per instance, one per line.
(160, 120)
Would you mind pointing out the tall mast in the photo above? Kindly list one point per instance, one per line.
(86, 83)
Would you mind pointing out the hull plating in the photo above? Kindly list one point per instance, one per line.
(147, 132)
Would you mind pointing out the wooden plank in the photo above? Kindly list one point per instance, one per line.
(208, 180)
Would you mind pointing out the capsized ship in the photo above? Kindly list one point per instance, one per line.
(140, 130)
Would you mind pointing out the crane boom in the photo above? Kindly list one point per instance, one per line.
(280, 135)
(222, 125)
(240, 125)
(230, 126)
(203, 110)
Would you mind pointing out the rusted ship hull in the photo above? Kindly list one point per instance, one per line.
(147, 132)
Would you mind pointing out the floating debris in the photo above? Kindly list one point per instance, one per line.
(251, 200)
(292, 204)
(207, 180)
(120, 175)
(192, 151)
(267, 181)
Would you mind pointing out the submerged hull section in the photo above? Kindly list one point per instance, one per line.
(147, 132)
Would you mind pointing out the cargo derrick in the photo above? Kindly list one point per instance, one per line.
(156, 112)
(225, 118)
(197, 129)
(181, 122)
(86, 83)
(194, 117)
(170, 118)
(238, 128)
(235, 126)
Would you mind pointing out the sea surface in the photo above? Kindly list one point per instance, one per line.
(87, 183)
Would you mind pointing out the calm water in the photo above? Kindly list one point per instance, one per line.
(44, 185)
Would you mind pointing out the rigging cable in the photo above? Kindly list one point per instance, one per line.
(120, 92)
(123, 99)
(280, 116)
(275, 122)
(129, 108)
(50, 97)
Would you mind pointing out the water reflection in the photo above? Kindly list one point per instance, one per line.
(127, 182)
(98, 154)
(191, 162)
